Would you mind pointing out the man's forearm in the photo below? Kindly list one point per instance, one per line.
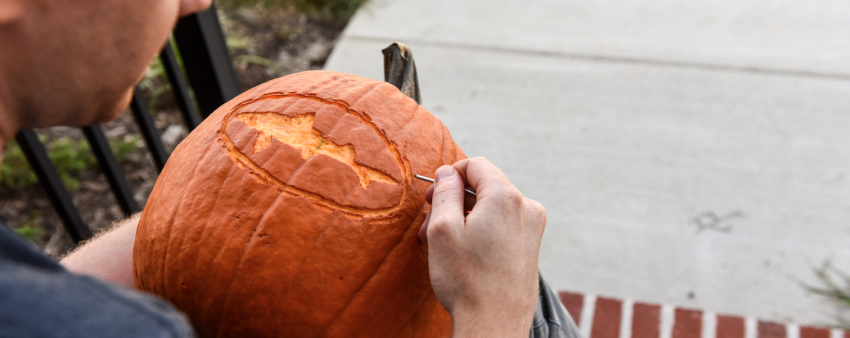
(109, 256)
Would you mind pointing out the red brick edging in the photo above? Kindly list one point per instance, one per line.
(644, 320)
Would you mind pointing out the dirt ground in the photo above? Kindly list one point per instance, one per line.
(265, 44)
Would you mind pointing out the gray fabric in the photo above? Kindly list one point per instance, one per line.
(39, 298)
(551, 319)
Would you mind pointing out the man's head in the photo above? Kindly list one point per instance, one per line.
(75, 62)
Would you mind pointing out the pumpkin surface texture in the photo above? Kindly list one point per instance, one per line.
(292, 211)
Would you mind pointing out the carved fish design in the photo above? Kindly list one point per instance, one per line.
(298, 132)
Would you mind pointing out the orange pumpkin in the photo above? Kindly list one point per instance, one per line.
(292, 212)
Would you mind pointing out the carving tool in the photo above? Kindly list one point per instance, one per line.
(468, 191)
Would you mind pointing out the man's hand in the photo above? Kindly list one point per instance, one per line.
(483, 266)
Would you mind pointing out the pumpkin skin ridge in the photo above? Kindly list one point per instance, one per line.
(412, 117)
(410, 316)
(267, 178)
(165, 254)
(173, 219)
(180, 205)
(442, 140)
(372, 275)
(239, 263)
(413, 221)
(223, 249)
(306, 258)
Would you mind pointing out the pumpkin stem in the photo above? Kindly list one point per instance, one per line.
(400, 70)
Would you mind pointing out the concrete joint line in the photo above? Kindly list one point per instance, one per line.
(616, 59)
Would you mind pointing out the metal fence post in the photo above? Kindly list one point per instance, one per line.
(179, 86)
(111, 169)
(153, 140)
(207, 60)
(52, 184)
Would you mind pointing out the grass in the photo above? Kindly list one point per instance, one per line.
(70, 157)
(124, 147)
(15, 172)
(30, 230)
(835, 285)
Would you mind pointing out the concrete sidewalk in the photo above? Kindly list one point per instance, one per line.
(695, 154)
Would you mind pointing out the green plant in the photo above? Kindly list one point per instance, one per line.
(156, 79)
(836, 286)
(287, 32)
(240, 43)
(70, 157)
(156, 82)
(124, 147)
(237, 42)
(258, 60)
(29, 230)
(15, 172)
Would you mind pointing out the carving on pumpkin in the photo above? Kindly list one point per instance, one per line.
(229, 239)
(298, 132)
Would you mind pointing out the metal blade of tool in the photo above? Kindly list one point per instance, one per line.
(428, 179)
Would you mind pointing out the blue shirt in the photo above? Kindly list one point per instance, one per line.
(39, 298)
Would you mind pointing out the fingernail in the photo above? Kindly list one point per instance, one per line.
(444, 172)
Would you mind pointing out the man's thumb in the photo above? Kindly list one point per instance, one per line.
(447, 200)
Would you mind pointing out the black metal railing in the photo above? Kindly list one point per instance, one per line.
(210, 73)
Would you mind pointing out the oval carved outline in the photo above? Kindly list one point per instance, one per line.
(265, 176)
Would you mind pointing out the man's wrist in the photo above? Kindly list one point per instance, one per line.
(480, 323)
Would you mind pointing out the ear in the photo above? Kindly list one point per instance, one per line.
(10, 10)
